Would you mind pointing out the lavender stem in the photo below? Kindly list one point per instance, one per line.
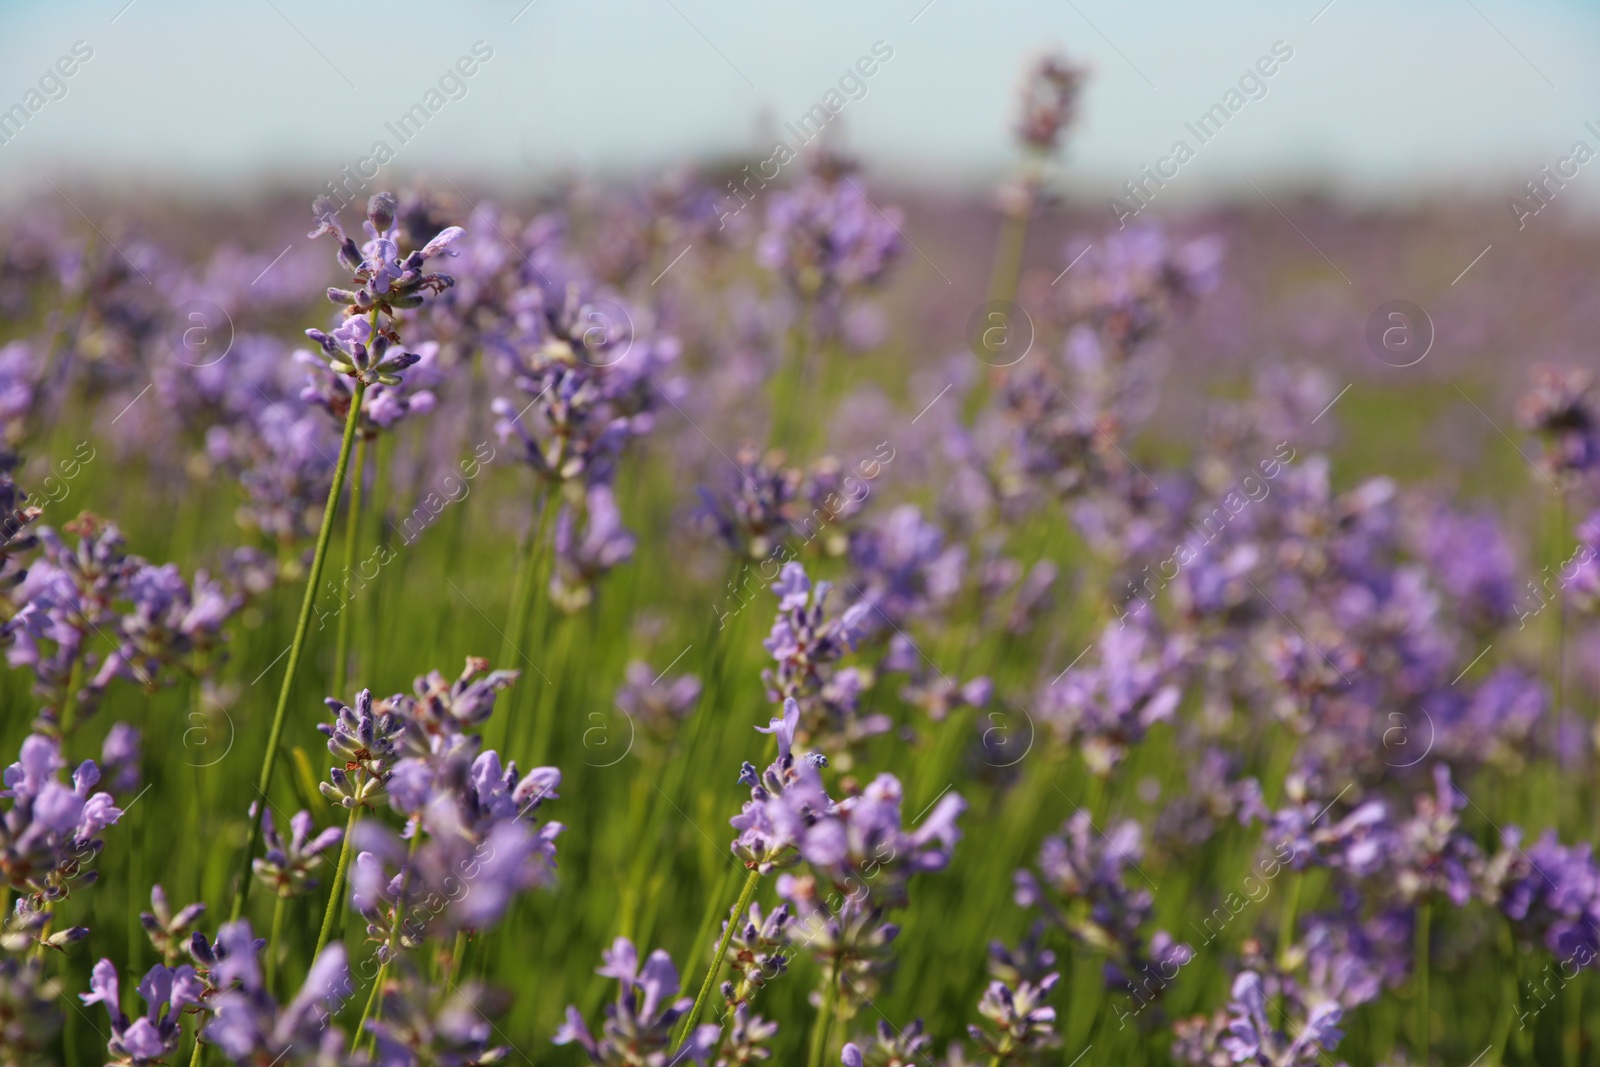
(270, 757)
(739, 909)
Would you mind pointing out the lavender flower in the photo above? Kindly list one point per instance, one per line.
(50, 833)
(592, 376)
(1089, 870)
(1030, 961)
(1049, 104)
(753, 513)
(382, 405)
(1358, 844)
(826, 239)
(420, 1024)
(16, 515)
(786, 801)
(638, 1027)
(285, 466)
(847, 934)
(1023, 1024)
(120, 757)
(170, 626)
(166, 992)
(806, 643)
(286, 868)
(1432, 856)
(1252, 1039)
(904, 568)
(359, 347)
(366, 742)
(28, 926)
(442, 710)
(889, 1047)
(169, 933)
(748, 1037)
(658, 703)
(1560, 409)
(484, 846)
(862, 848)
(581, 559)
(574, 435)
(66, 598)
(28, 1001)
(1473, 562)
(860, 851)
(19, 372)
(1106, 706)
(1550, 892)
(248, 1024)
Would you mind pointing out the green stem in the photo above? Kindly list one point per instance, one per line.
(352, 526)
(1003, 279)
(269, 759)
(43, 936)
(199, 1049)
(1572, 1021)
(1094, 796)
(745, 894)
(824, 1021)
(69, 704)
(1008, 256)
(135, 880)
(338, 883)
(1286, 921)
(458, 953)
(272, 941)
(366, 1013)
(1424, 925)
(1561, 604)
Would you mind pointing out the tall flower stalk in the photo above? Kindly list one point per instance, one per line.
(710, 981)
(1049, 103)
(365, 743)
(302, 625)
(352, 526)
(358, 350)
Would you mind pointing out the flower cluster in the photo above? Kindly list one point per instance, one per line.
(167, 992)
(366, 742)
(807, 643)
(1106, 706)
(359, 347)
(158, 626)
(248, 1024)
(639, 1023)
(656, 702)
(1049, 104)
(476, 840)
(288, 865)
(1561, 411)
(1089, 871)
(49, 835)
(826, 239)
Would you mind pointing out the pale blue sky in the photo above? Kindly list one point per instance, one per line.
(1382, 96)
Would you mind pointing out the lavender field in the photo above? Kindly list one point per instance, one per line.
(760, 612)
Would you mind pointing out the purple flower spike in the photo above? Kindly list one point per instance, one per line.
(638, 1025)
(360, 347)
